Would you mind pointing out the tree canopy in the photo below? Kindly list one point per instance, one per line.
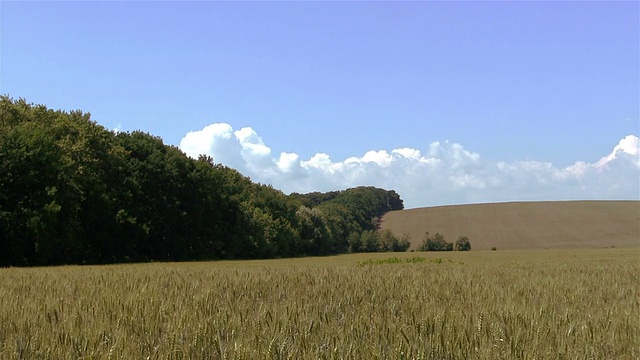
(74, 192)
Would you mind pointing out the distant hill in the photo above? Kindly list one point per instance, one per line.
(525, 225)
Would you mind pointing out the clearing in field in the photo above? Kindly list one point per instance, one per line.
(525, 225)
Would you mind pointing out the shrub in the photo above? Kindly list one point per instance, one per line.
(354, 241)
(369, 241)
(389, 242)
(404, 242)
(435, 243)
(378, 241)
(463, 244)
(425, 240)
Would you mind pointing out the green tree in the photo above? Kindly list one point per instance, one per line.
(388, 241)
(436, 242)
(462, 243)
(355, 242)
(370, 241)
(404, 242)
(72, 191)
(314, 233)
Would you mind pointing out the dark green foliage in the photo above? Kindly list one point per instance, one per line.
(314, 233)
(389, 242)
(314, 198)
(435, 243)
(374, 241)
(351, 217)
(462, 244)
(73, 192)
(369, 242)
(57, 171)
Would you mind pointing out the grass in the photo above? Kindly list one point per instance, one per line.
(462, 305)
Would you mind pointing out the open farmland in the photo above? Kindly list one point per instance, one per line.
(552, 304)
(525, 225)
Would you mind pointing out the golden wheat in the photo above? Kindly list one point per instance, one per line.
(477, 305)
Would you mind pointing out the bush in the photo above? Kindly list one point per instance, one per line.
(435, 243)
(369, 241)
(389, 242)
(378, 241)
(463, 244)
(405, 242)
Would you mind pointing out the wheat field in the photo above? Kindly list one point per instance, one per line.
(463, 305)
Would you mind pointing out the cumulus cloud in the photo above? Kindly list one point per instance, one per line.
(446, 173)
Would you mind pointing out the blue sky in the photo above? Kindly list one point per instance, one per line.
(553, 83)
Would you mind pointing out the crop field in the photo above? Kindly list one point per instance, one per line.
(525, 225)
(546, 304)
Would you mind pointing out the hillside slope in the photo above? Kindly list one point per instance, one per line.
(525, 225)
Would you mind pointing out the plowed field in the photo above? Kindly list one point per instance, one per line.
(525, 225)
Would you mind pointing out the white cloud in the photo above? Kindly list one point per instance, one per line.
(448, 174)
(216, 140)
(288, 162)
(251, 142)
(381, 158)
(627, 147)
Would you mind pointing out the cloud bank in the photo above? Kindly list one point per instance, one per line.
(443, 173)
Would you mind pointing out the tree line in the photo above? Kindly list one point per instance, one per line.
(74, 192)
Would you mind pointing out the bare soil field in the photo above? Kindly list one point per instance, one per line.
(525, 225)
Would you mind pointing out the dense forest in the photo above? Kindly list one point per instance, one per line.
(73, 192)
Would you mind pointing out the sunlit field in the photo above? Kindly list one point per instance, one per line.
(525, 225)
(546, 304)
